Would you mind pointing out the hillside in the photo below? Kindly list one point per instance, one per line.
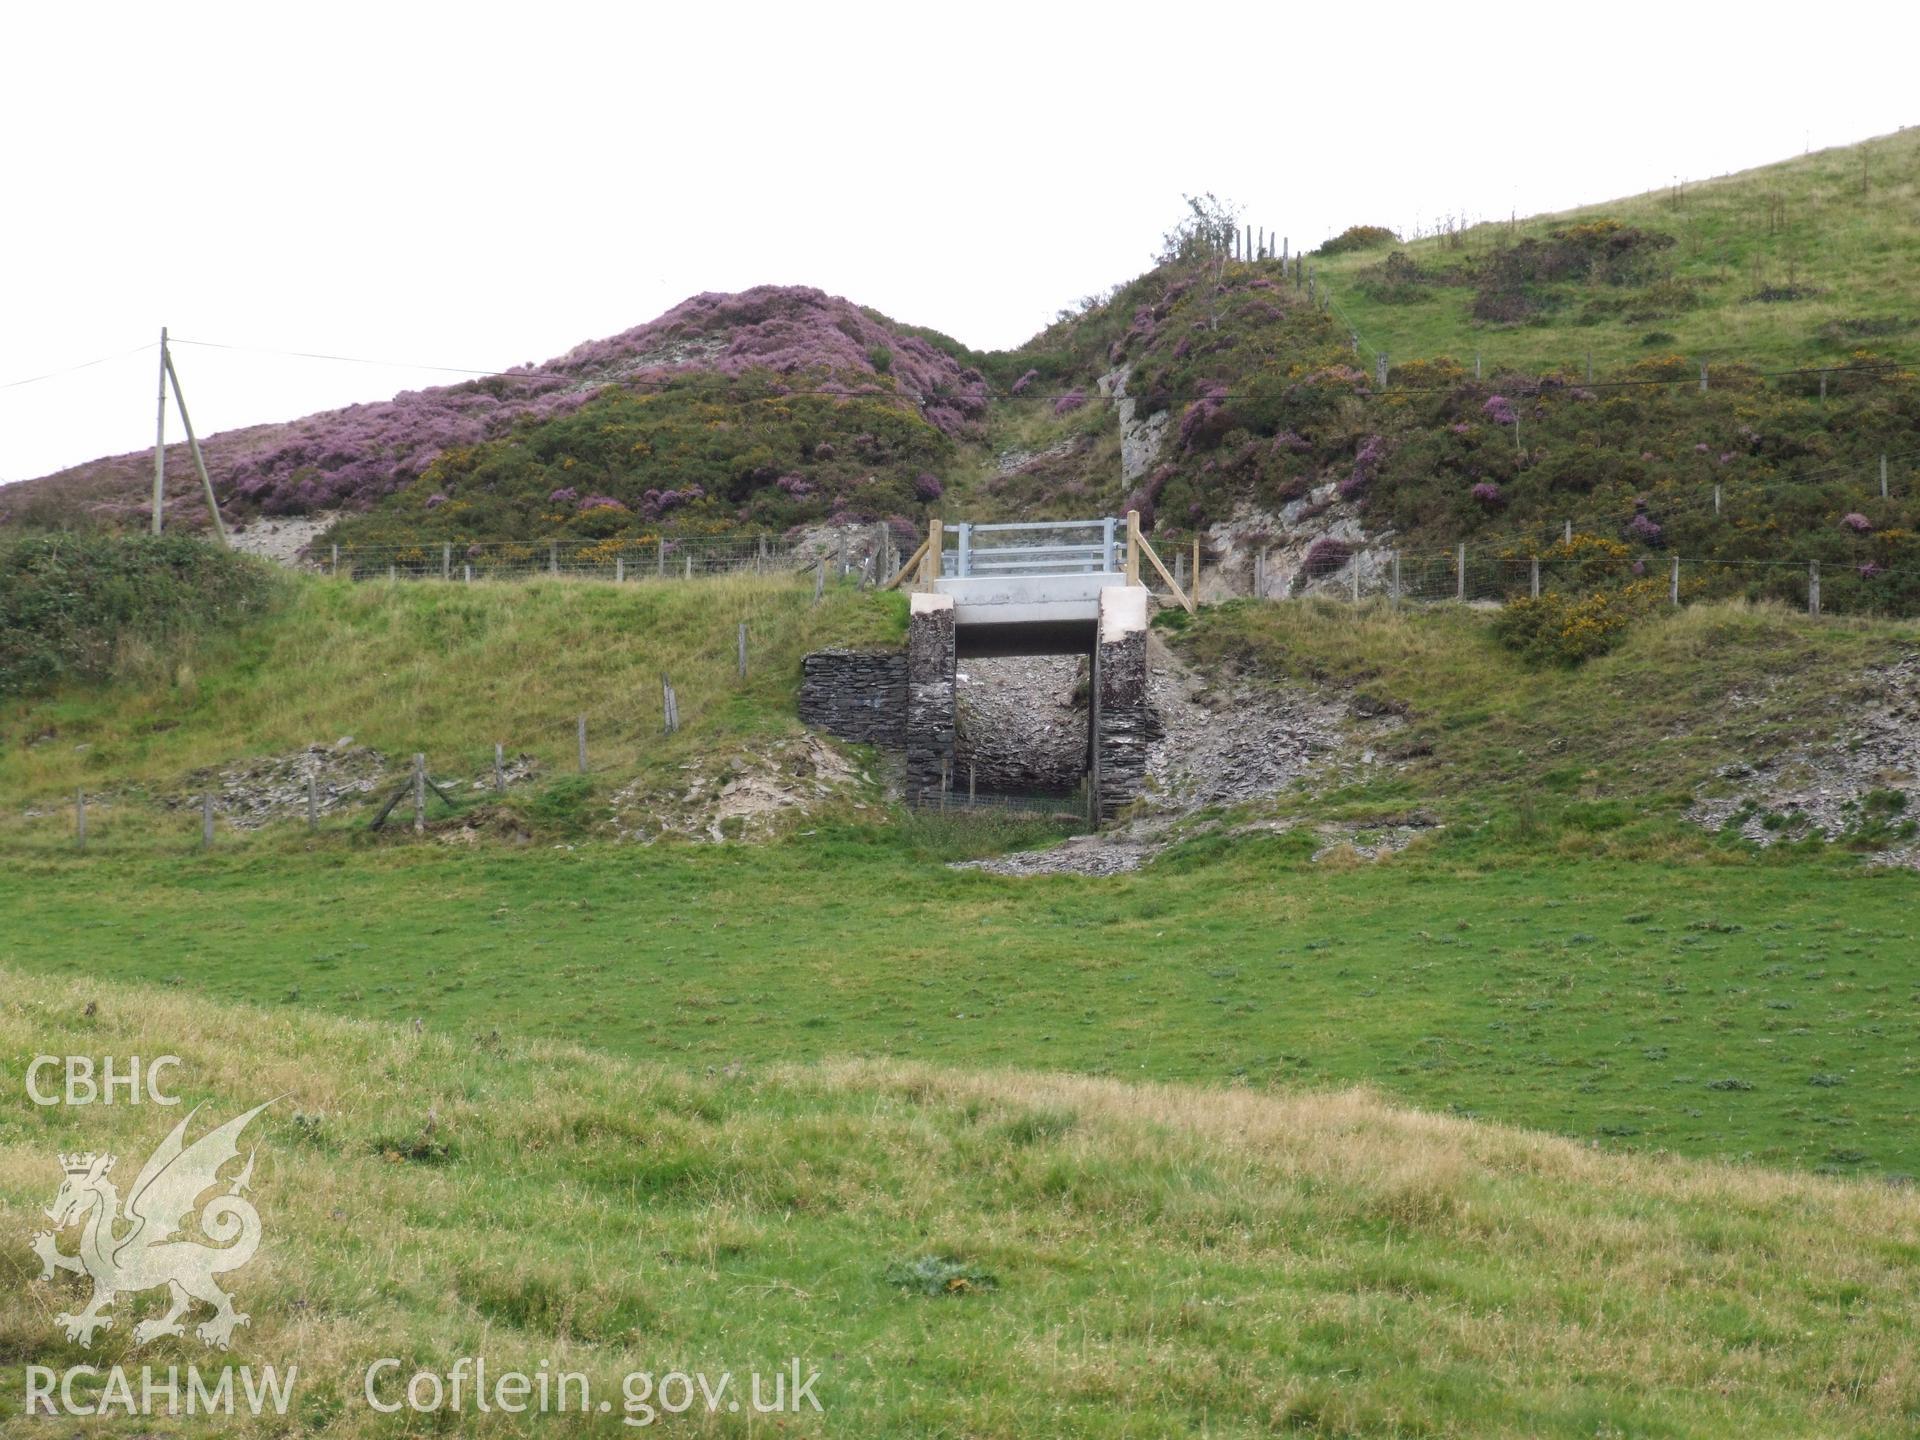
(1217, 1261)
(1793, 264)
(1227, 401)
(770, 354)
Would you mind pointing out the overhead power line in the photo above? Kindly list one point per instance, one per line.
(83, 365)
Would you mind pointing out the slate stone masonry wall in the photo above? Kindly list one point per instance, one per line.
(856, 695)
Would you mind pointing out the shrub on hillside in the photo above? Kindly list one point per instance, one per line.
(1359, 237)
(73, 605)
(1562, 629)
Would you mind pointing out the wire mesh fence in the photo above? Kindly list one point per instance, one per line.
(1471, 575)
(662, 558)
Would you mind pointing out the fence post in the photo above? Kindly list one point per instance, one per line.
(1703, 377)
(1380, 369)
(970, 780)
(1396, 579)
(1533, 578)
(1566, 536)
(1259, 574)
(336, 561)
(390, 572)
(1460, 573)
(1673, 585)
(206, 820)
(1823, 387)
(581, 732)
(419, 795)
(819, 579)
(687, 573)
(1883, 477)
(313, 800)
(553, 557)
(80, 819)
(446, 559)
(743, 649)
(946, 780)
(660, 560)
(1195, 592)
(1813, 587)
(1476, 364)
(1716, 498)
(1353, 574)
(467, 571)
(1180, 568)
(1589, 367)
(619, 569)
(499, 768)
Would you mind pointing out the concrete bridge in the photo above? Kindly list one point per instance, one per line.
(1064, 587)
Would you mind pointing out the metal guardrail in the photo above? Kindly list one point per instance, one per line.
(1000, 550)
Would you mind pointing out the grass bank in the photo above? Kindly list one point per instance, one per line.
(1140, 1259)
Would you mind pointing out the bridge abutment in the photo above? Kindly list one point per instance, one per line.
(931, 665)
(1122, 720)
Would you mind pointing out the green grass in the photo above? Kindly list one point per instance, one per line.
(1137, 1261)
(1839, 223)
(1597, 997)
(449, 670)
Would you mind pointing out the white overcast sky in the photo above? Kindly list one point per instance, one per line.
(474, 186)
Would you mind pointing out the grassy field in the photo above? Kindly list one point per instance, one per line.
(1571, 1119)
(1825, 238)
(1135, 1260)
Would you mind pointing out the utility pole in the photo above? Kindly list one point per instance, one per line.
(160, 438)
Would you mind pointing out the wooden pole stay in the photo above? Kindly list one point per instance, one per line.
(1137, 546)
(193, 441)
(913, 563)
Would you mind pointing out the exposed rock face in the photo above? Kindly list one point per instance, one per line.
(1140, 440)
(857, 695)
(930, 687)
(1861, 785)
(1021, 724)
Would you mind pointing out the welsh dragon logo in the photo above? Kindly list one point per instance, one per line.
(145, 1248)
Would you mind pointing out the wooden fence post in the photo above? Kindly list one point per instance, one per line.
(581, 737)
(1813, 587)
(419, 794)
(466, 571)
(687, 573)
(1533, 578)
(1196, 570)
(499, 768)
(743, 649)
(80, 819)
(1673, 584)
(970, 784)
(1716, 498)
(313, 801)
(553, 557)
(619, 569)
(1460, 573)
(660, 560)
(1883, 477)
(1259, 574)
(1566, 536)
(1380, 369)
(1703, 377)
(336, 561)
(446, 559)
(206, 821)
(1396, 579)
(819, 579)
(391, 573)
